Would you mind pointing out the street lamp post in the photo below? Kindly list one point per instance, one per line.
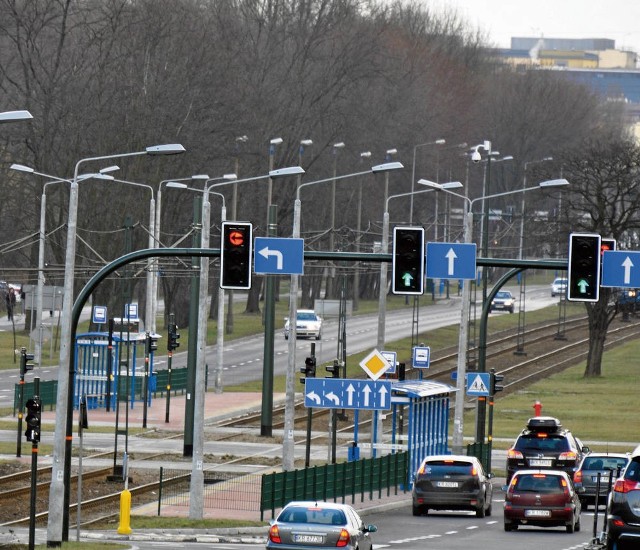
(58, 524)
(329, 290)
(458, 430)
(356, 276)
(289, 411)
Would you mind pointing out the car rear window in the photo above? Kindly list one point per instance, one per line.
(542, 442)
(633, 470)
(323, 516)
(446, 468)
(603, 463)
(540, 483)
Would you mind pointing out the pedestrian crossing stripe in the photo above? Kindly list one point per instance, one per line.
(478, 386)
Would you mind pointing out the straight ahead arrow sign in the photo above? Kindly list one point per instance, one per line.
(627, 264)
(451, 256)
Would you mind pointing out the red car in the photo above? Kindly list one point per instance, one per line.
(543, 498)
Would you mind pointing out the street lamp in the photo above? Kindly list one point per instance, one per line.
(440, 141)
(458, 423)
(387, 158)
(289, 410)
(382, 297)
(60, 481)
(41, 239)
(15, 116)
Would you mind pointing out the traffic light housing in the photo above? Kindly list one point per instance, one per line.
(495, 382)
(24, 360)
(309, 369)
(584, 267)
(408, 260)
(334, 369)
(235, 256)
(151, 343)
(174, 337)
(34, 409)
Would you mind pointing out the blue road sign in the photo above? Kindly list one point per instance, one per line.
(340, 393)
(392, 357)
(478, 383)
(99, 315)
(131, 312)
(279, 256)
(421, 357)
(621, 268)
(451, 261)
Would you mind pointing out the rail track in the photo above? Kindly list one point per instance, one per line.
(544, 355)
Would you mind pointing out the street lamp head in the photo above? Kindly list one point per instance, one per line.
(306, 142)
(108, 169)
(338, 145)
(200, 177)
(387, 167)
(177, 185)
(391, 151)
(440, 141)
(553, 183)
(22, 168)
(508, 157)
(276, 141)
(288, 171)
(229, 177)
(451, 185)
(365, 154)
(429, 183)
(242, 139)
(15, 116)
(168, 149)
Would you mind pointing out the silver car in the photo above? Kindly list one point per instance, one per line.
(320, 525)
(308, 325)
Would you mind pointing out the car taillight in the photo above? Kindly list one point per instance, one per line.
(343, 540)
(625, 486)
(577, 477)
(274, 534)
(512, 453)
(565, 488)
(569, 455)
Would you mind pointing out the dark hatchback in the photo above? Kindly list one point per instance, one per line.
(623, 513)
(541, 498)
(452, 482)
(544, 443)
(605, 465)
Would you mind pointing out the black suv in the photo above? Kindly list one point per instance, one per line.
(545, 444)
(623, 523)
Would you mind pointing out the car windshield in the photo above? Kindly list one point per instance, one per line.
(503, 295)
(447, 468)
(539, 483)
(560, 282)
(323, 516)
(306, 316)
(549, 443)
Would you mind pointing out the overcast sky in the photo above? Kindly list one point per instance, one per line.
(501, 19)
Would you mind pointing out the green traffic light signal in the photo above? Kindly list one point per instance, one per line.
(408, 260)
(34, 409)
(584, 267)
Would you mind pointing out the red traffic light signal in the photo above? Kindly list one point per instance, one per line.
(235, 255)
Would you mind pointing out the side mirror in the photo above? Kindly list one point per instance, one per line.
(371, 528)
(586, 450)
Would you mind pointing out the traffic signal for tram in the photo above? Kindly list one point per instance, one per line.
(334, 369)
(151, 343)
(495, 382)
(174, 337)
(584, 267)
(34, 408)
(309, 369)
(235, 257)
(408, 260)
(24, 360)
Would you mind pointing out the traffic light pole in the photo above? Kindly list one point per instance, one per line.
(266, 416)
(34, 473)
(20, 409)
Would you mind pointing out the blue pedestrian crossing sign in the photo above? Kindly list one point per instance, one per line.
(278, 256)
(478, 383)
(621, 269)
(451, 261)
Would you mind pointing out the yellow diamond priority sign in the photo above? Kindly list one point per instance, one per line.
(375, 364)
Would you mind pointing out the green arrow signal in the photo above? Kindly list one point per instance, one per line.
(407, 278)
(583, 285)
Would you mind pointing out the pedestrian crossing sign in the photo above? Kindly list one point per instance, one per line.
(478, 383)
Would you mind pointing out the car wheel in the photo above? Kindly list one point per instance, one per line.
(286, 337)
(418, 510)
(480, 511)
(570, 527)
(488, 510)
(577, 525)
(508, 526)
(319, 337)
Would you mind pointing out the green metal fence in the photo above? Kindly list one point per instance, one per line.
(335, 481)
(48, 394)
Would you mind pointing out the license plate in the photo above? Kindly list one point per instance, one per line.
(537, 513)
(450, 484)
(540, 462)
(603, 479)
(317, 539)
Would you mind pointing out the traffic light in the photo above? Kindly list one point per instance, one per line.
(24, 360)
(408, 260)
(151, 343)
(495, 382)
(309, 369)
(235, 257)
(334, 369)
(584, 267)
(34, 408)
(174, 336)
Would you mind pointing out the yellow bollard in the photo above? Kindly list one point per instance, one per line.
(124, 528)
